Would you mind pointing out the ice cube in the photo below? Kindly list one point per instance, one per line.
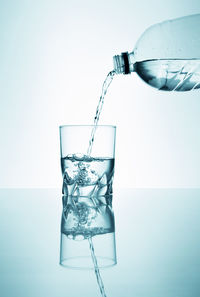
(102, 185)
(67, 179)
(103, 180)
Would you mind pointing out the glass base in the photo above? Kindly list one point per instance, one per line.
(99, 250)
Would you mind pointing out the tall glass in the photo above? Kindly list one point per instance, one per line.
(87, 162)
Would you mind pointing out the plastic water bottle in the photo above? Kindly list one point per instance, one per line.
(167, 55)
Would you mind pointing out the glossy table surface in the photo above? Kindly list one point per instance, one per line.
(157, 238)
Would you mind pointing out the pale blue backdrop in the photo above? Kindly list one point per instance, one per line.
(54, 56)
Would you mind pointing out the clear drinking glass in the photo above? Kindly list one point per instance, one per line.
(87, 162)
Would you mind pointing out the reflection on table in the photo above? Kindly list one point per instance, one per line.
(157, 239)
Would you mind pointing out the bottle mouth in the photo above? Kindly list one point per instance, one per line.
(121, 63)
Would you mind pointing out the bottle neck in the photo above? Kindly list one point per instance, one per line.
(123, 63)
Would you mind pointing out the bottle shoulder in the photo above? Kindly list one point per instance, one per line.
(171, 39)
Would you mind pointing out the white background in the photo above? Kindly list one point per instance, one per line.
(54, 57)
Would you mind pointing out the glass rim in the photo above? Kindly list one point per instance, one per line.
(67, 126)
